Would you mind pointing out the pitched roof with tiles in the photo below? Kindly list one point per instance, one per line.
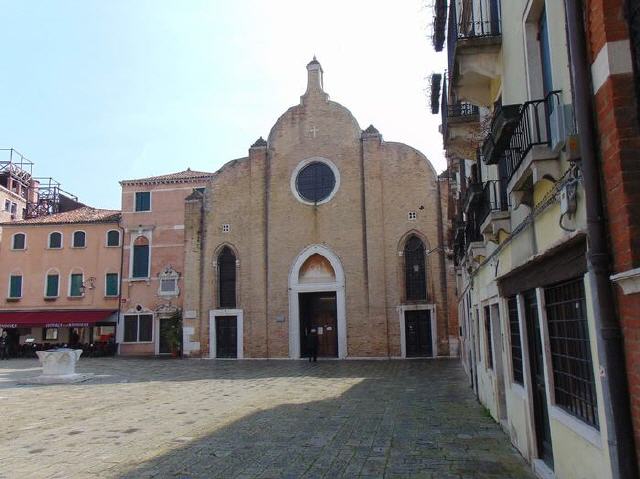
(186, 176)
(85, 214)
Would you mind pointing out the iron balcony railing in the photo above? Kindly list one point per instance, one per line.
(470, 19)
(462, 110)
(493, 199)
(478, 18)
(533, 128)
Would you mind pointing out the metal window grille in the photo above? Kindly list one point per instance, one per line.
(574, 382)
(516, 346)
(415, 271)
(227, 278)
(487, 334)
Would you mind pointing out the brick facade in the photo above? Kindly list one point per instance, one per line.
(619, 137)
(364, 225)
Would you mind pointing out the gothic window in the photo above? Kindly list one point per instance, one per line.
(226, 278)
(415, 270)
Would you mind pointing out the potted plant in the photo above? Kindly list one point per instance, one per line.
(172, 332)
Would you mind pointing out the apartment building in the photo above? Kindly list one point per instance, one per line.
(541, 346)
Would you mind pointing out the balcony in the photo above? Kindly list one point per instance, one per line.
(460, 125)
(525, 141)
(473, 43)
(493, 212)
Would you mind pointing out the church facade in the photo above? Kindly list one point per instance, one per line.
(324, 234)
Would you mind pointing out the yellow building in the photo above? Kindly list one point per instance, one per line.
(525, 297)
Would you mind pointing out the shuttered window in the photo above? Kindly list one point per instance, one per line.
(111, 284)
(141, 261)
(55, 240)
(75, 287)
(15, 286)
(143, 201)
(113, 238)
(79, 239)
(53, 283)
(18, 241)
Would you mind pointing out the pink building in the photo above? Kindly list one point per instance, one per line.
(153, 258)
(60, 279)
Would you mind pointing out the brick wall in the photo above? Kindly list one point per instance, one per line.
(619, 137)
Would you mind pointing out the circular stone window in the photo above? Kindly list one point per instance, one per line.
(315, 181)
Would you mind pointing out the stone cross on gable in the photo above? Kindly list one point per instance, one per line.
(313, 131)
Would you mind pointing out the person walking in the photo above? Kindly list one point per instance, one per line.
(312, 344)
(4, 346)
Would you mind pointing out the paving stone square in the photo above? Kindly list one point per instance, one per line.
(146, 418)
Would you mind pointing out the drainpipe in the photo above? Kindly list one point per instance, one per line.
(608, 333)
(120, 284)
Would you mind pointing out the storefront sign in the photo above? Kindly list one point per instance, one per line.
(66, 325)
(8, 325)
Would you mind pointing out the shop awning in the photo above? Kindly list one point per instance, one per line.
(78, 318)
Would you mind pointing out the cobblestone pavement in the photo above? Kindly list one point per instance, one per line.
(265, 419)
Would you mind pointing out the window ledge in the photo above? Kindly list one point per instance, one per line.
(78, 247)
(111, 296)
(75, 297)
(629, 281)
(586, 432)
(18, 249)
(13, 300)
(50, 298)
(139, 280)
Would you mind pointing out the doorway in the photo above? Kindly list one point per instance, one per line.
(498, 351)
(226, 337)
(163, 344)
(418, 333)
(318, 311)
(538, 386)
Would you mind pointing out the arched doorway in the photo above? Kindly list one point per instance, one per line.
(317, 300)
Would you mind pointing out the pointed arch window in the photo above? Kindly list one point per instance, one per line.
(226, 278)
(415, 269)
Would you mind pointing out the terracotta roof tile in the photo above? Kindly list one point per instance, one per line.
(178, 177)
(85, 214)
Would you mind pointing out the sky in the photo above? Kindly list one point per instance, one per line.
(94, 92)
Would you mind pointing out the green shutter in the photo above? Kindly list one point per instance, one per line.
(15, 287)
(76, 283)
(143, 201)
(141, 261)
(52, 285)
(112, 284)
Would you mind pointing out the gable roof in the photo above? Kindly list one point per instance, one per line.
(186, 176)
(85, 214)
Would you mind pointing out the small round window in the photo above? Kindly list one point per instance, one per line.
(315, 182)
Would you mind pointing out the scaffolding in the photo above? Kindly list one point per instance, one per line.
(43, 195)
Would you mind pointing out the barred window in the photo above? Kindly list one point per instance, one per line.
(227, 278)
(516, 347)
(415, 271)
(487, 334)
(574, 382)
